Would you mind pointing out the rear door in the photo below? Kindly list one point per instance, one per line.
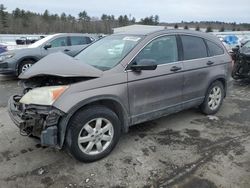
(198, 69)
(153, 93)
(78, 43)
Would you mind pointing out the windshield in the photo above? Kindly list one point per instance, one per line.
(247, 44)
(41, 41)
(109, 51)
(246, 47)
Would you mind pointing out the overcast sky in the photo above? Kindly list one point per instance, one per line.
(168, 10)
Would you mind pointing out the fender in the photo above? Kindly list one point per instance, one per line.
(62, 126)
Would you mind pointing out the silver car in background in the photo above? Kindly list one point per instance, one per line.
(19, 60)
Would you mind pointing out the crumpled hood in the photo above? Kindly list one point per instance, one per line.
(60, 64)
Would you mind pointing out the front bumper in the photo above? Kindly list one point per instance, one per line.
(36, 120)
(7, 68)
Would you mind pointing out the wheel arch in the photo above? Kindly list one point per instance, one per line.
(33, 58)
(221, 79)
(110, 102)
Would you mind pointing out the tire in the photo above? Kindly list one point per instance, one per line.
(85, 126)
(213, 101)
(24, 65)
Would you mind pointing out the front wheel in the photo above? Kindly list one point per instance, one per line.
(213, 99)
(93, 133)
(25, 65)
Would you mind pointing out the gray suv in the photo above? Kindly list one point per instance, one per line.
(119, 81)
(19, 60)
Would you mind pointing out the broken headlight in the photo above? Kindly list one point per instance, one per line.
(43, 95)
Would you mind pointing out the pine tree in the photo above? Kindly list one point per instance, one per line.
(4, 18)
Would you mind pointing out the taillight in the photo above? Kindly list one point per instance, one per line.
(231, 54)
(233, 63)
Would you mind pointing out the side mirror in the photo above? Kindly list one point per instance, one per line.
(143, 64)
(47, 46)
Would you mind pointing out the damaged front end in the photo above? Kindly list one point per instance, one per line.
(33, 111)
(39, 120)
(36, 120)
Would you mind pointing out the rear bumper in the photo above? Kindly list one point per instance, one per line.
(39, 121)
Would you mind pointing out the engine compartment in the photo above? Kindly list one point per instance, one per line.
(48, 80)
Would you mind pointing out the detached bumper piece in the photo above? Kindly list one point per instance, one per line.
(35, 120)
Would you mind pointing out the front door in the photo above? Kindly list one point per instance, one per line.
(153, 93)
(60, 44)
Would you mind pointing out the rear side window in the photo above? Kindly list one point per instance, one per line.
(214, 49)
(79, 40)
(193, 47)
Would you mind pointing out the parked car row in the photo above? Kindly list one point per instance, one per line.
(85, 102)
(19, 60)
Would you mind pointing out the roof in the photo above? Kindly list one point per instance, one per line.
(159, 31)
(147, 30)
(74, 34)
(187, 32)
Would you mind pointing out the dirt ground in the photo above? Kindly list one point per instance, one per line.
(184, 150)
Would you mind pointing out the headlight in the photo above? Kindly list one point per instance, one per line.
(6, 56)
(43, 95)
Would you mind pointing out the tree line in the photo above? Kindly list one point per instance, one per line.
(26, 22)
(210, 26)
(20, 21)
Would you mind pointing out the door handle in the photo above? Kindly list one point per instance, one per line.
(210, 63)
(66, 50)
(175, 68)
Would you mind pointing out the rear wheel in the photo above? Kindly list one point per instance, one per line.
(93, 133)
(25, 65)
(214, 98)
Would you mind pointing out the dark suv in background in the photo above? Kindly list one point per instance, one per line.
(119, 81)
(19, 60)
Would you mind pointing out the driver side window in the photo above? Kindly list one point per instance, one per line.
(59, 42)
(162, 50)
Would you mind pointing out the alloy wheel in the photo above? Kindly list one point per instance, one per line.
(214, 98)
(96, 136)
(26, 67)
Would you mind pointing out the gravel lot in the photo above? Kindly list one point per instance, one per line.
(183, 150)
